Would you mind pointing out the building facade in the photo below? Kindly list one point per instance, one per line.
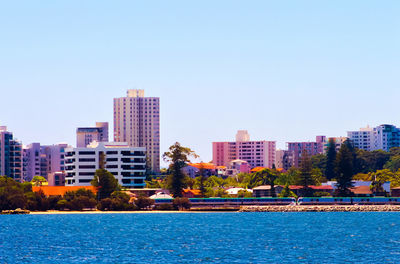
(256, 153)
(383, 137)
(137, 122)
(312, 148)
(43, 160)
(86, 135)
(126, 163)
(10, 155)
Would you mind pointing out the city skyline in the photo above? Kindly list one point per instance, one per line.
(283, 71)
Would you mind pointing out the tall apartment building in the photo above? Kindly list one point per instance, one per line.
(312, 148)
(127, 164)
(41, 160)
(256, 153)
(137, 122)
(86, 135)
(10, 155)
(383, 137)
(362, 139)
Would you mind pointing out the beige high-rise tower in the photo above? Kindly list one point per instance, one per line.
(137, 122)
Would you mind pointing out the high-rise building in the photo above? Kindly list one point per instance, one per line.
(137, 122)
(127, 164)
(256, 153)
(383, 137)
(312, 148)
(86, 135)
(10, 155)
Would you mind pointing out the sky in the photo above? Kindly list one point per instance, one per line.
(283, 70)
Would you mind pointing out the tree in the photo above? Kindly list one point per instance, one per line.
(144, 202)
(181, 203)
(378, 179)
(105, 182)
(319, 161)
(245, 194)
(393, 164)
(38, 180)
(344, 170)
(305, 176)
(266, 177)
(330, 160)
(178, 157)
(286, 192)
(291, 177)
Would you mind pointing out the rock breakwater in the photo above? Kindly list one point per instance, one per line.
(322, 208)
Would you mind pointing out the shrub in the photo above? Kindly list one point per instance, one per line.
(164, 207)
(143, 202)
(181, 203)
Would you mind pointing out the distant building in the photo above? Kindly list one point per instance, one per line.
(42, 160)
(256, 153)
(338, 141)
(284, 159)
(362, 139)
(10, 155)
(193, 169)
(56, 178)
(126, 163)
(312, 148)
(383, 137)
(137, 122)
(86, 135)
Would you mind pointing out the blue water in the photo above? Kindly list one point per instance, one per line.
(201, 238)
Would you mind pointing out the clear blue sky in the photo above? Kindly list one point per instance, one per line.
(283, 70)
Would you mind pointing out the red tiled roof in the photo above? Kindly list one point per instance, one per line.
(361, 190)
(193, 191)
(257, 169)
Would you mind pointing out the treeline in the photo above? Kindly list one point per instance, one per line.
(343, 166)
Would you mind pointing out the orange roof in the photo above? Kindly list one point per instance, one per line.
(257, 169)
(206, 166)
(194, 191)
(61, 190)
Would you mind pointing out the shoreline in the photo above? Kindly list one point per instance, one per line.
(322, 208)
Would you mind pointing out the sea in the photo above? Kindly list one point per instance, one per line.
(334, 237)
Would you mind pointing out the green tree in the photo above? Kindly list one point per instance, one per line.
(306, 178)
(330, 160)
(244, 194)
(344, 171)
(291, 177)
(286, 192)
(181, 203)
(393, 164)
(319, 161)
(38, 180)
(178, 157)
(379, 178)
(105, 182)
(266, 177)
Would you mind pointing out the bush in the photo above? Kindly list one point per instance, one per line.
(181, 203)
(143, 202)
(62, 204)
(164, 207)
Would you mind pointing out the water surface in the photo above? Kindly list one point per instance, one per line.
(201, 238)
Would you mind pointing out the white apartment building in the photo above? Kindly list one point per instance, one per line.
(86, 135)
(137, 122)
(126, 163)
(383, 137)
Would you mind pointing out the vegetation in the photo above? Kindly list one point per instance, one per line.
(178, 156)
(306, 174)
(105, 182)
(344, 170)
(181, 203)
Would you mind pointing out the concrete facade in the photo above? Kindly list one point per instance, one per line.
(86, 135)
(312, 148)
(126, 163)
(137, 122)
(256, 153)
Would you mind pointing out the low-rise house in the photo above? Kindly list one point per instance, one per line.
(265, 191)
(191, 193)
(235, 190)
(61, 190)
